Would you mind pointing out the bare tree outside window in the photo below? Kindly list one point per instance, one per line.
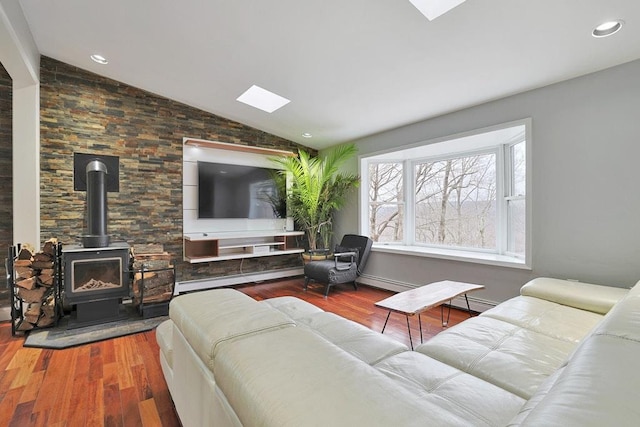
(456, 202)
(386, 198)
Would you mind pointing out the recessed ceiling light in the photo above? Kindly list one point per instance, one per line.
(607, 28)
(262, 99)
(99, 59)
(307, 135)
(434, 8)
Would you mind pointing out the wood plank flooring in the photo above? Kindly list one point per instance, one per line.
(119, 382)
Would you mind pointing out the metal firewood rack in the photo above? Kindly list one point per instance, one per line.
(18, 305)
(153, 309)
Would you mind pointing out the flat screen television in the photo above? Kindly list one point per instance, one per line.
(237, 191)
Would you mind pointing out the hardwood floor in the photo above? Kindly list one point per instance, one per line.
(119, 382)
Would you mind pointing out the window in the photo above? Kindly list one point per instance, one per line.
(455, 201)
(516, 199)
(462, 197)
(386, 202)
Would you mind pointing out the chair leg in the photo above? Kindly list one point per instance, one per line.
(326, 292)
(306, 282)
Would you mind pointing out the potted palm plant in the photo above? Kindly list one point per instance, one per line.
(317, 190)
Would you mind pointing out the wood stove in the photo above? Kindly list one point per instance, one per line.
(95, 280)
(96, 274)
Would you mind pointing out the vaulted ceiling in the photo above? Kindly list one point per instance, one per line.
(350, 68)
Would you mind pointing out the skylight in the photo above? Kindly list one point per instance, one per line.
(262, 99)
(434, 8)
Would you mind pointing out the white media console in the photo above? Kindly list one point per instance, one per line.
(219, 246)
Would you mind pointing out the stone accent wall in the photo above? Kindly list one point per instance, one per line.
(83, 112)
(6, 182)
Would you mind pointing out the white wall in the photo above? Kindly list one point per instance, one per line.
(586, 202)
(20, 57)
(26, 165)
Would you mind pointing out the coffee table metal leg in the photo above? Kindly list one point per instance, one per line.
(468, 308)
(442, 314)
(466, 298)
(385, 323)
(409, 330)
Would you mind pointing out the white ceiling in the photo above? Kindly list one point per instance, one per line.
(351, 68)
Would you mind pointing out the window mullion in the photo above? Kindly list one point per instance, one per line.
(502, 189)
(365, 203)
(409, 202)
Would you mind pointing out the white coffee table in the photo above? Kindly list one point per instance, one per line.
(417, 300)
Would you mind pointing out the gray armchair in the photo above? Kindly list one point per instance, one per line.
(347, 264)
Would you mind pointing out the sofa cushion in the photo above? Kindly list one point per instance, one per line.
(635, 290)
(540, 394)
(293, 307)
(504, 354)
(293, 377)
(210, 317)
(594, 389)
(625, 325)
(359, 341)
(451, 389)
(546, 317)
(623, 320)
(599, 385)
(585, 296)
(355, 339)
(164, 337)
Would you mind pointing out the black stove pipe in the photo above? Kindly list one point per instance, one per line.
(96, 236)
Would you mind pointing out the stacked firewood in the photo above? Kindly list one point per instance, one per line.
(153, 264)
(35, 279)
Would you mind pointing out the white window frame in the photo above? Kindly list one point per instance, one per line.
(501, 256)
(508, 196)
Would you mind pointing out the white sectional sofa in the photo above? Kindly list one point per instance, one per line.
(560, 354)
